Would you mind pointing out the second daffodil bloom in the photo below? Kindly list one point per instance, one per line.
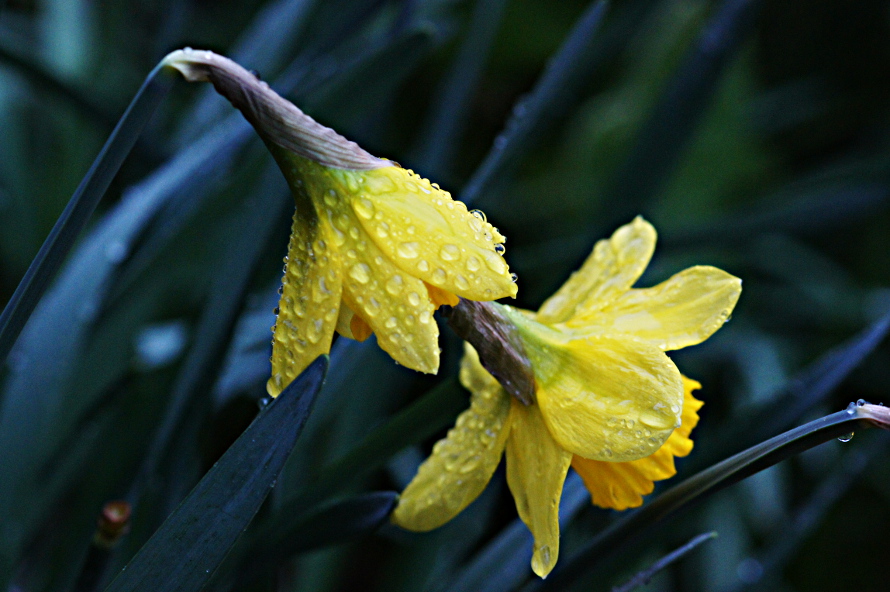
(374, 247)
(607, 400)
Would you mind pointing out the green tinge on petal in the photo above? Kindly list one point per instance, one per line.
(310, 301)
(682, 311)
(606, 398)
(610, 270)
(393, 303)
(536, 471)
(429, 235)
(460, 466)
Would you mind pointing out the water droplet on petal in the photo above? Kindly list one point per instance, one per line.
(500, 249)
(383, 230)
(360, 272)
(846, 437)
(479, 214)
(364, 208)
(495, 263)
(473, 263)
(423, 266)
(449, 253)
(514, 278)
(439, 276)
(414, 298)
(408, 250)
(461, 282)
(860, 402)
(394, 285)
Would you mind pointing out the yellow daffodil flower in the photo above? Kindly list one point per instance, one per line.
(609, 402)
(374, 247)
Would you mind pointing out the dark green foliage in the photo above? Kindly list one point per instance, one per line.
(191, 544)
(753, 135)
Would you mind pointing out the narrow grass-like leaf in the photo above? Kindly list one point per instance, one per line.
(715, 478)
(17, 52)
(643, 577)
(260, 217)
(809, 387)
(333, 523)
(369, 81)
(504, 563)
(793, 532)
(194, 540)
(812, 212)
(449, 117)
(662, 141)
(61, 329)
(79, 209)
(565, 75)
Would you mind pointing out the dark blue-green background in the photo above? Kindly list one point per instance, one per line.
(753, 135)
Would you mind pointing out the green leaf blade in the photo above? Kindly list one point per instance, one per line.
(192, 543)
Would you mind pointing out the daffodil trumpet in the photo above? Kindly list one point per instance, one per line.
(374, 247)
(584, 382)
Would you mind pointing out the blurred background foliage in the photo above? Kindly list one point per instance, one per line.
(755, 136)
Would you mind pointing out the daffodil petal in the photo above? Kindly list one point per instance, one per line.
(310, 300)
(536, 471)
(461, 465)
(610, 270)
(622, 485)
(394, 304)
(607, 398)
(682, 311)
(351, 325)
(431, 236)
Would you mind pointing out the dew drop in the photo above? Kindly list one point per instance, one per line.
(394, 285)
(449, 253)
(500, 249)
(461, 282)
(425, 317)
(423, 266)
(408, 250)
(391, 323)
(860, 402)
(846, 437)
(495, 263)
(364, 208)
(473, 263)
(383, 230)
(439, 276)
(414, 299)
(360, 272)
(514, 278)
(479, 214)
